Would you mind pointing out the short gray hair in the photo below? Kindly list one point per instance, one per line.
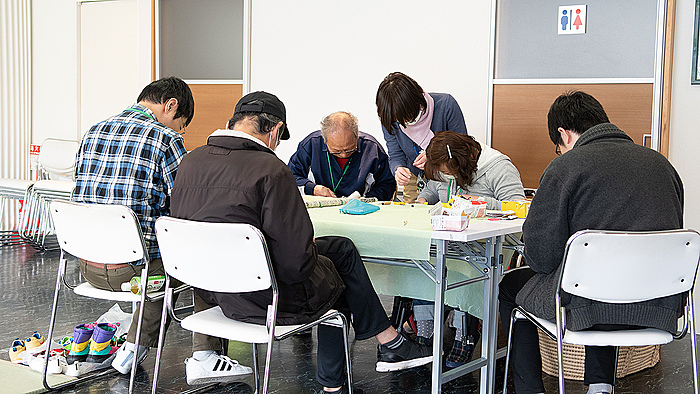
(336, 122)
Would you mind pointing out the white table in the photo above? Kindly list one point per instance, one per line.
(382, 237)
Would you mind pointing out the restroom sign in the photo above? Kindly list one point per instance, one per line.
(572, 19)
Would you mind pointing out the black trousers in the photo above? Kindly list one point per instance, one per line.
(526, 362)
(359, 302)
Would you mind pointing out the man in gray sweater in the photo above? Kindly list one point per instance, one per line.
(601, 180)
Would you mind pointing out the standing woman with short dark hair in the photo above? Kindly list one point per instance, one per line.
(409, 118)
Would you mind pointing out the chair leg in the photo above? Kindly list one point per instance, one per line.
(161, 339)
(560, 359)
(346, 344)
(256, 373)
(617, 356)
(510, 339)
(52, 322)
(693, 346)
(268, 359)
(132, 377)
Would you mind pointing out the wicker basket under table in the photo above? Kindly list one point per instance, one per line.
(630, 359)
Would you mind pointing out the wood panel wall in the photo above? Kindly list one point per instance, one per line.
(213, 106)
(520, 119)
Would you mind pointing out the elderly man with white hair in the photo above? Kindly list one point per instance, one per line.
(340, 160)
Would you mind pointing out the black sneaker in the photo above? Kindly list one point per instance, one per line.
(408, 355)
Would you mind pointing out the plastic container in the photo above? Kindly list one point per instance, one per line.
(154, 283)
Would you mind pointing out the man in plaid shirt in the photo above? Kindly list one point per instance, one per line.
(131, 159)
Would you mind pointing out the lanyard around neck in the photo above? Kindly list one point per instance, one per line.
(450, 184)
(335, 185)
(141, 112)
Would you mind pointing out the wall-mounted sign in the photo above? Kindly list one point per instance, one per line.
(572, 19)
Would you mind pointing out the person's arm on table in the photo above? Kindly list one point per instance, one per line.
(429, 193)
(505, 183)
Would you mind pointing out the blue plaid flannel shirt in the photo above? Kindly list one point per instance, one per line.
(130, 159)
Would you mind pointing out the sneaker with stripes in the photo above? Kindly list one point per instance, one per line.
(214, 368)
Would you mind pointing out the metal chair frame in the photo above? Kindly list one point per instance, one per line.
(621, 267)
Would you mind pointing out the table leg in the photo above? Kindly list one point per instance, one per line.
(490, 325)
(440, 287)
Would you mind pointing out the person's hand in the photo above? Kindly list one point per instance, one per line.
(420, 160)
(421, 200)
(402, 175)
(320, 190)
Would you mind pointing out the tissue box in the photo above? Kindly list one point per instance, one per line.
(520, 207)
(449, 223)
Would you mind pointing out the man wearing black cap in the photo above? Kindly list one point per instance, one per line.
(237, 178)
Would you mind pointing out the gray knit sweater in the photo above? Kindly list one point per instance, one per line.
(496, 179)
(606, 182)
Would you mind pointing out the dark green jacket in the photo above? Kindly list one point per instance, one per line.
(606, 182)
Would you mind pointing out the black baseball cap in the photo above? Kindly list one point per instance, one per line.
(266, 103)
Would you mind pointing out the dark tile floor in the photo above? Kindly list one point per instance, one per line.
(26, 291)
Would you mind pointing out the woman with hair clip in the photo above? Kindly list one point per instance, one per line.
(458, 164)
(409, 118)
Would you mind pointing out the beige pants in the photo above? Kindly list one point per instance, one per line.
(111, 279)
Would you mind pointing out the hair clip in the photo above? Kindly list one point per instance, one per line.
(449, 152)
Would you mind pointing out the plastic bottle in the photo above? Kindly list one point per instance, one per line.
(154, 283)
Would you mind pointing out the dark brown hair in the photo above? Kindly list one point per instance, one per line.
(399, 98)
(465, 153)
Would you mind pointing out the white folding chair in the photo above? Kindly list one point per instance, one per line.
(107, 234)
(622, 267)
(56, 171)
(228, 258)
(12, 189)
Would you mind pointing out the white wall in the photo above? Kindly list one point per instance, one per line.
(685, 119)
(323, 56)
(108, 85)
(54, 70)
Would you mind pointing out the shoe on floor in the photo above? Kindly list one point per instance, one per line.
(15, 350)
(81, 343)
(34, 340)
(123, 360)
(408, 355)
(100, 343)
(57, 364)
(214, 369)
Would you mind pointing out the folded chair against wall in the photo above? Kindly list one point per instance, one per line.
(11, 189)
(107, 234)
(622, 267)
(228, 258)
(56, 172)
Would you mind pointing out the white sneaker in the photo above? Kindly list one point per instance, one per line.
(214, 369)
(123, 360)
(57, 364)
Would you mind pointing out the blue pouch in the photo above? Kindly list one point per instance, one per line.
(357, 207)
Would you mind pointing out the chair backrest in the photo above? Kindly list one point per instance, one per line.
(223, 257)
(626, 267)
(107, 234)
(57, 158)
